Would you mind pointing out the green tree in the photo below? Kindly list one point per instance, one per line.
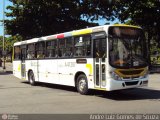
(144, 13)
(9, 41)
(35, 18)
(8, 44)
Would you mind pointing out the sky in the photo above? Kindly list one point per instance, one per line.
(101, 22)
(1, 16)
(1, 13)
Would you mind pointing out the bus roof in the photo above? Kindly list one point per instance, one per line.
(71, 33)
(126, 25)
(26, 41)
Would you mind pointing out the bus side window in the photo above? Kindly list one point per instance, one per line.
(69, 47)
(23, 52)
(61, 50)
(79, 46)
(82, 46)
(17, 53)
(40, 49)
(31, 51)
(51, 49)
(87, 40)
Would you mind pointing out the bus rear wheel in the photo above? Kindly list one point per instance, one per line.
(31, 78)
(82, 84)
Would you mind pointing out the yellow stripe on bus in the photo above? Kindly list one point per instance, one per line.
(19, 67)
(124, 25)
(97, 88)
(80, 32)
(89, 66)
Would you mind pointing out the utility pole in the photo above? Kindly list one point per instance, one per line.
(4, 53)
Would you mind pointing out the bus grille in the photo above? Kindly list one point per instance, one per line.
(133, 77)
(131, 83)
(131, 72)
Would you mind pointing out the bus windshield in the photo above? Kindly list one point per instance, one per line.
(127, 47)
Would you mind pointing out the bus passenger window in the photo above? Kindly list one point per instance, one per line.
(59, 53)
(69, 47)
(61, 50)
(87, 40)
(40, 54)
(40, 50)
(17, 53)
(83, 46)
(79, 46)
(30, 51)
(51, 49)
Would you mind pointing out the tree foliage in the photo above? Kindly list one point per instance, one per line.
(8, 42)
(34, 18)
(144, 13)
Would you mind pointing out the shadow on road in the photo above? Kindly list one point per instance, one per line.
(54, 86)
(130, 94)
(119, 95)
(6, 73)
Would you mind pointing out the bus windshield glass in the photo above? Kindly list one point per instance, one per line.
(127, 47)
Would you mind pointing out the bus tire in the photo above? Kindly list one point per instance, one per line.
(82, 84)
(31, 78)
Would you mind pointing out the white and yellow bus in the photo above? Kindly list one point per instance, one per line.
(109, 57)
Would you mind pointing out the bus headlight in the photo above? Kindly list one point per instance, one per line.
(145, 75)
(115, 76)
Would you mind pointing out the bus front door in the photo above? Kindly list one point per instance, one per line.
(23, 57)
(100, 63)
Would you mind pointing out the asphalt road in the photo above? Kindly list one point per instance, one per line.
(17, 96)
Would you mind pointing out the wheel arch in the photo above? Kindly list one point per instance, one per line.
(76, 76)
(28, 73)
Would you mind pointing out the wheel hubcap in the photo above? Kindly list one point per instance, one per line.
(31, 78)
(82, 85)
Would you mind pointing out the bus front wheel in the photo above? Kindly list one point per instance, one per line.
(31, 78)
(82, 84)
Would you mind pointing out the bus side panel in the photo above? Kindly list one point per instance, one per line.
(51, 71)
(88, 69)
(66, 71)
(31, 65)
(47, 71)
(42, 73)
(90, 73)
(17, 68)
